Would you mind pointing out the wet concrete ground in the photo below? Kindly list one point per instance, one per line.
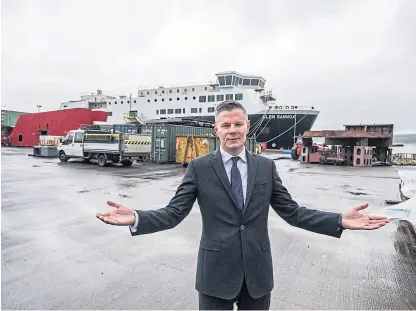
(57, 255)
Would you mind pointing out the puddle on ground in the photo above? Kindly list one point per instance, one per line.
(357, 193)
(124, 195)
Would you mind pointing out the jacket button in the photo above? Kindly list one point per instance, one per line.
(242, 227)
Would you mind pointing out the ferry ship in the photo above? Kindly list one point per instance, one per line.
(273, 123)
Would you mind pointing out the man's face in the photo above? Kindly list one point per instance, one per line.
(232, 128)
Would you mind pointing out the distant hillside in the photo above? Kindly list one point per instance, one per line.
(404, 138)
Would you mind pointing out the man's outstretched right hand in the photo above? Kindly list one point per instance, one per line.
(121, 216)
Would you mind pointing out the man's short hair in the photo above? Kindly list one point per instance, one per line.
(228, 105)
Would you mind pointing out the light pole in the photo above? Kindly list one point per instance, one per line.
(39, 106)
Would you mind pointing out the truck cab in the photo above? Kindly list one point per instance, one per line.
(72, 145)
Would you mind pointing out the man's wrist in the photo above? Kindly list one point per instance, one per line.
(340, 227)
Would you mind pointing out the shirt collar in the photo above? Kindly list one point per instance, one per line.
(226, 156)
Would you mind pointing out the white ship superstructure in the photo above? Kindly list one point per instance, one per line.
(199, 101)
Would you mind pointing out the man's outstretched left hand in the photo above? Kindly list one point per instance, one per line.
(355, 221)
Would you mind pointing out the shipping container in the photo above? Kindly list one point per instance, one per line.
(164, 139)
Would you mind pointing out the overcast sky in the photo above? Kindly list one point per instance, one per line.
(354, 60)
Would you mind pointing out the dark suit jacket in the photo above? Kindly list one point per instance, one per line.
(235, 244)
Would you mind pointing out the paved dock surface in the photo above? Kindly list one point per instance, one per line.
(57, 255)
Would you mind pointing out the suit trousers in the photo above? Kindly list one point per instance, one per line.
(243, 301)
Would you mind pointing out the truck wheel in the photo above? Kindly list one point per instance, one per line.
(102, 160)
(63, 157)
(127, 163)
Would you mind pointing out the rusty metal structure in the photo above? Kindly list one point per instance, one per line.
(356, 145)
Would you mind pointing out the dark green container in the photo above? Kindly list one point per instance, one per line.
(164, 139)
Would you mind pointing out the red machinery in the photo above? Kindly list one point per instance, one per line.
(30, 126)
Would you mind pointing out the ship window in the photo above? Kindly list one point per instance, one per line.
(115, 103)
(194, 110)
(202, 99)
(221, 81)
(186, 98)
(128, 102)
(163, 92)
(228, 80)
(206, 88)
(239, 96)
(185, 90)
(141, 93)
(134, 101)
(235, 80)
(109, 113)
(229, 97)
(170, 99)
(194, 97)
(177, 91)
(183, 110)
(261, 84)
(193, 89)
(108, 103)
(155, 100)
(246, 82)
(211, 109)
(170, 91)
(170, 111)
(211, 98)
(200, 110)
(148, 100)
(178, 110)
(163, 99)
(148, 93)
(255, 82)
(177, 98)
(220, 98)
(156, 92)
(20, 137)
(157, 111)
(162, 111)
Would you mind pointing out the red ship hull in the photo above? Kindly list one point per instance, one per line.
(54, 123)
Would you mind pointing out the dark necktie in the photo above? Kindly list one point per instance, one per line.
(236, 184)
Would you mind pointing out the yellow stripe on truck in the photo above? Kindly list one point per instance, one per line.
(136, 142)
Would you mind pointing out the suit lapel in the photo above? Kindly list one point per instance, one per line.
(219, 168)
(251, 176)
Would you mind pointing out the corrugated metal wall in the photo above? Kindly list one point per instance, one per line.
(9, 117)
(164, 140)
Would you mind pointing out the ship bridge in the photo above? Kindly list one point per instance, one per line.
(233, 78)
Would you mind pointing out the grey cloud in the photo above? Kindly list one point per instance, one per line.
(352, 59)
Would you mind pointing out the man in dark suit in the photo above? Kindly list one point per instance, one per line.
(234, 189)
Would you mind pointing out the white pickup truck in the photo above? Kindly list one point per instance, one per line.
(104, 146)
